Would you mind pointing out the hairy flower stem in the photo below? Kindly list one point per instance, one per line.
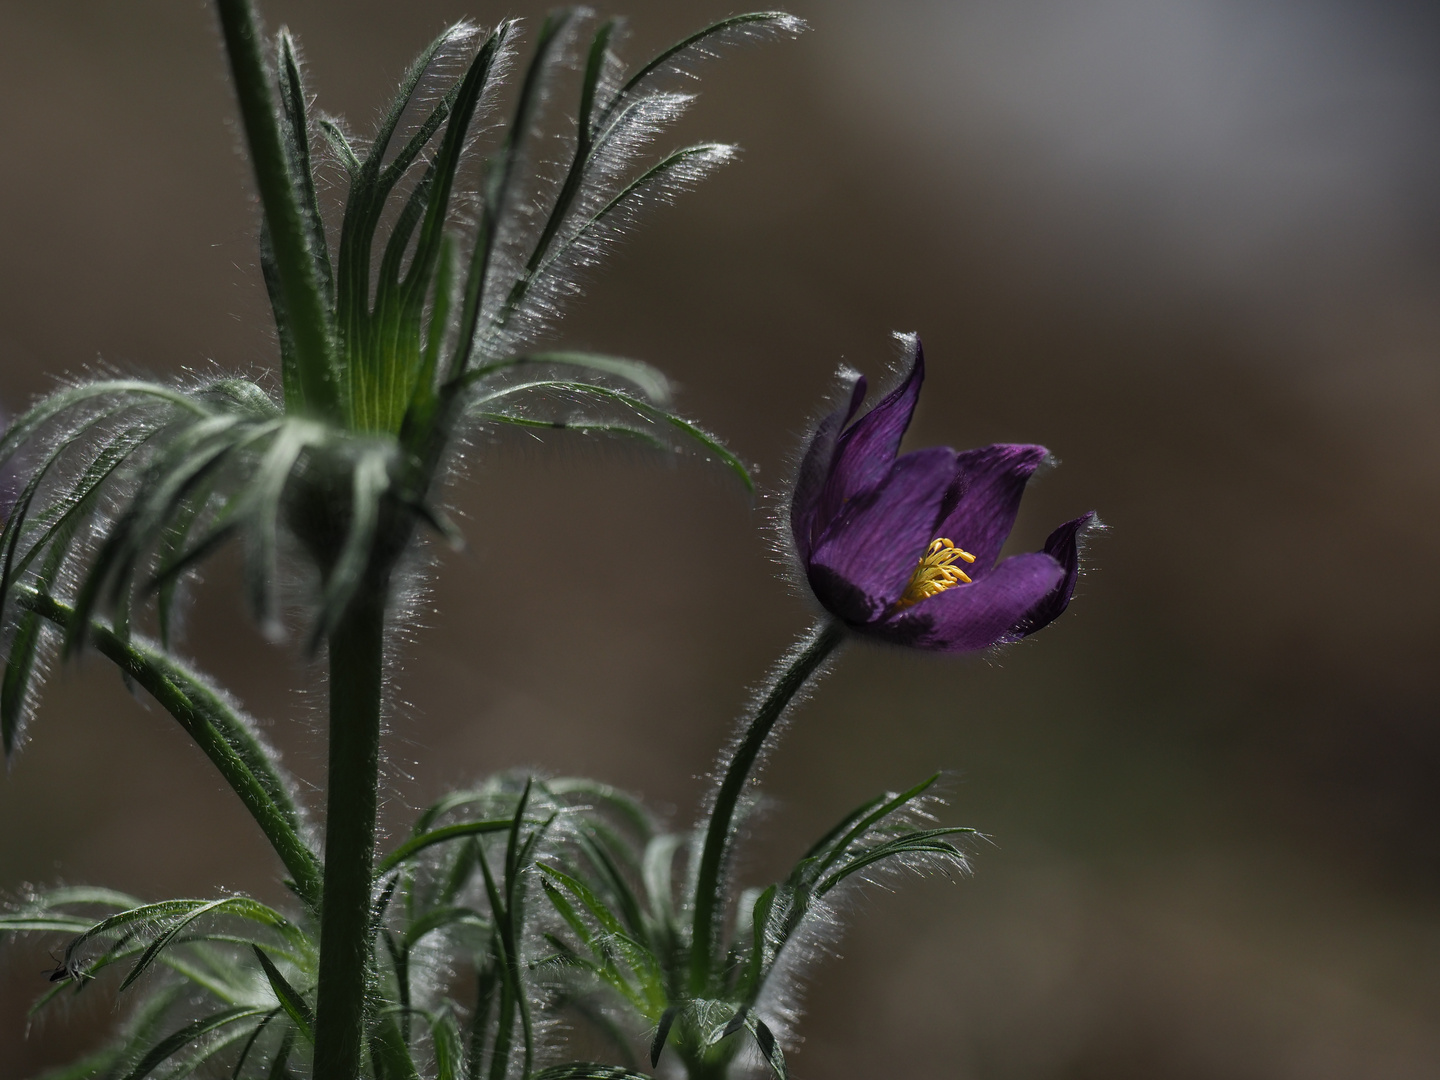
(794, 672)
(357, 647)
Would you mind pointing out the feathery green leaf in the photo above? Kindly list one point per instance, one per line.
(295, 1006)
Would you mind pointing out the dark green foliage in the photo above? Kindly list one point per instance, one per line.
(427, 319)
(294, 1004)
(456, 909)
(182, 955)
(137, 482)
(190, 1035)
(128, 485)
(625, 928)
(245, 974)
(417, 844)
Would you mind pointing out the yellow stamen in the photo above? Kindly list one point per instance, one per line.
(934, 574)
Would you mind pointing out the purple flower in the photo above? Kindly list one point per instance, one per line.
(905, 548)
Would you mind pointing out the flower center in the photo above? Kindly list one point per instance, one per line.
(934, 574)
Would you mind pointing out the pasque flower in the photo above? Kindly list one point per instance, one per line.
(905, 548)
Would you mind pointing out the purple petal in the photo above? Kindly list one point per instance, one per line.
(815, 469)
(866, 450)
(1063, 545)
(968, 618)
(993, 479)
(864, 560)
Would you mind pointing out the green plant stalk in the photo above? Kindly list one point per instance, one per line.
(148, 672)
(357, 654)
(804, 661)
(304, 298)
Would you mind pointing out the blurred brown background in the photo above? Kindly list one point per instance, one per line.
(1191, 245)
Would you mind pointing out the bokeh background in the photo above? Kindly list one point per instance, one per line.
(1191, 245)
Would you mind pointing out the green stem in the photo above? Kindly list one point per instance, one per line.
(300, 285)
(356, 675)
(794, 672)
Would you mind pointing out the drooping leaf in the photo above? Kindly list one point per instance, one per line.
(226, 740)
(929, 841)
(190, 1033)
(829, 850)
(173, 540)
(295, 1006)
(489, 798)
(580, 428)
(592, 903)
(65, 511)
(21, 430)
(441, 917)
(746, 1019)
(77, 895)
(161, 492)
(417, 844)
(584, 242)
(631, 810)
(176, 914)
(238, 731)
(646, 378)
(701, 45)
(43, 923)
(16, 687)
(487, 403)
(179, 920)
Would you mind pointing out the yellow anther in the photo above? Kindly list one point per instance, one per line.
(934, 574)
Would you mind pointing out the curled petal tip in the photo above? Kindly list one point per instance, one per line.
(864, 519)
(1065, 545)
